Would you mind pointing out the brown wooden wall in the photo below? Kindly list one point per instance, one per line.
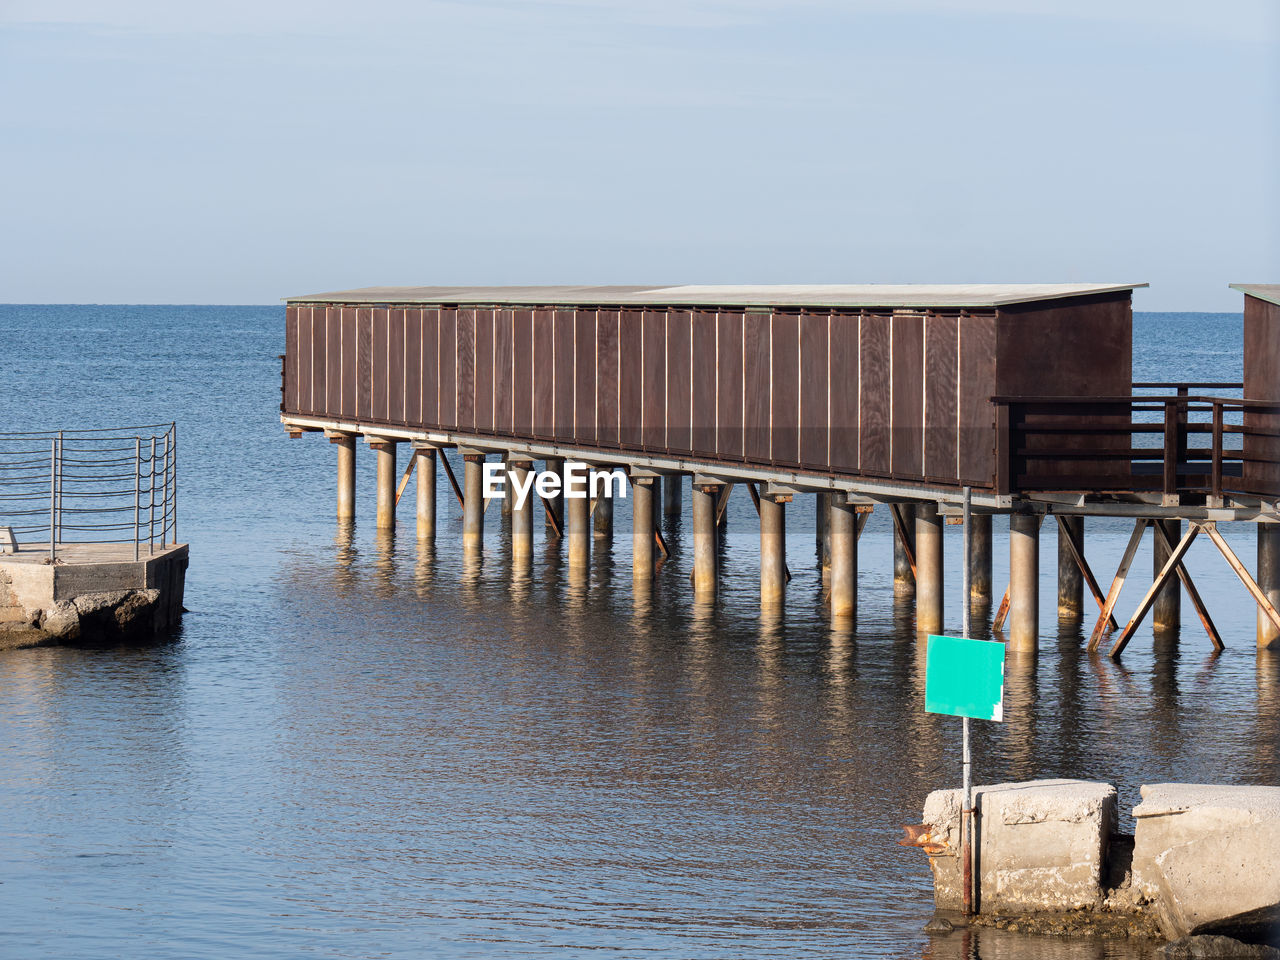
(883, 393)
(1261, 382)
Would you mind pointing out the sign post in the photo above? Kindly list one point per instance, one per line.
(965, 678)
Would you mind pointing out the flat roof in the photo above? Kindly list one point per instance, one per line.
(1269, 292)
(762, 295)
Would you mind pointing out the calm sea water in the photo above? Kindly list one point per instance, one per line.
(357, 748)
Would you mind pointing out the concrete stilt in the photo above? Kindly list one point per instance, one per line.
(426, 457)
(505, 504)
(773, 550)
(904, 581)
(521, 516)
(1269, 580)
(1024, 582)
(843, 529)
(980, 559)
(555, 504)
(473, 501)
(1070, 579)
(577, 511)
(822, 537)
(1167, 610)
(704, 538)
(603, 516)
(386, 451)
(672, 492)
(928, 568)
(346, 444)
(642, 545)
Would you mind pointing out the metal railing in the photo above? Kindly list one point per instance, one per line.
(1106, 444)
(91, 486)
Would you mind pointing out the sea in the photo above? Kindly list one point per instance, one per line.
(362, 746)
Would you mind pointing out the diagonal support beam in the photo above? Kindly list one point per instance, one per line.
(1201, 610)
(404, 480)
(453, 481)
(1167, 573)
(900, 526)
(1002, 613)
(1117, 583)
(862, 522)
(1242, 572)
(1077, 554)
(551, 517)
(724, 503)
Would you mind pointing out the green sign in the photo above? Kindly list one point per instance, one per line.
(964, 678)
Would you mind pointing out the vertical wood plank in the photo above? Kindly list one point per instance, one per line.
(679, 392)
(607, 386)
(584, 382)
(522, 404)
(350, 362)
(941, 407)
(729, 399)
(977, 417)
(564, 382)
(784, 407)
(448, 367)
(873, 396)
(630, 379)
(844, 392)
(395, 366)
(815, 354)
(906, 411)
(503, 371)
(703, 397)
(654, 379)
(543, 371)
(467, 370)
(756, 391)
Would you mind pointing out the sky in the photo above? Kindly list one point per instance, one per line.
(156, 151)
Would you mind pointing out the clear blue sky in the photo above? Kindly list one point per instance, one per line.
(238, 152)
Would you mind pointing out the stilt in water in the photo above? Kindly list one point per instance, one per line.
(1024, 582)
(705, 496)
(426, 457)
(773, 549)
(472, 501)
(1166, 613)
(1269, 582)
(904, 548)
(672, 493)
(386, 452)
(980, 559)
(346, 444)
(555, 503)
(521, 515)
(843, 530)
(1070, 579)
(929, 587)
(642, 528)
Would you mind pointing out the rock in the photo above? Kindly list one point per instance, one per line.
(939, 925)
(1201, 947)
(1207, 855)
(1041, 844)
(62, 622)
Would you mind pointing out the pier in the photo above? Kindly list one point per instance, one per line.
(900, 397)
(89, 547)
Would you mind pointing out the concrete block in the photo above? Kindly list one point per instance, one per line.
(1041, 845)
(1206, 854)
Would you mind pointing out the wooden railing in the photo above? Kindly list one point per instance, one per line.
(1205, 447)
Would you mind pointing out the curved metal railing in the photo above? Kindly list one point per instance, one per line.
(115, 485)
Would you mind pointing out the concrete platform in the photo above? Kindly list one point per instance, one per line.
(91, 593)
(1206, 855)
(1040, 845)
